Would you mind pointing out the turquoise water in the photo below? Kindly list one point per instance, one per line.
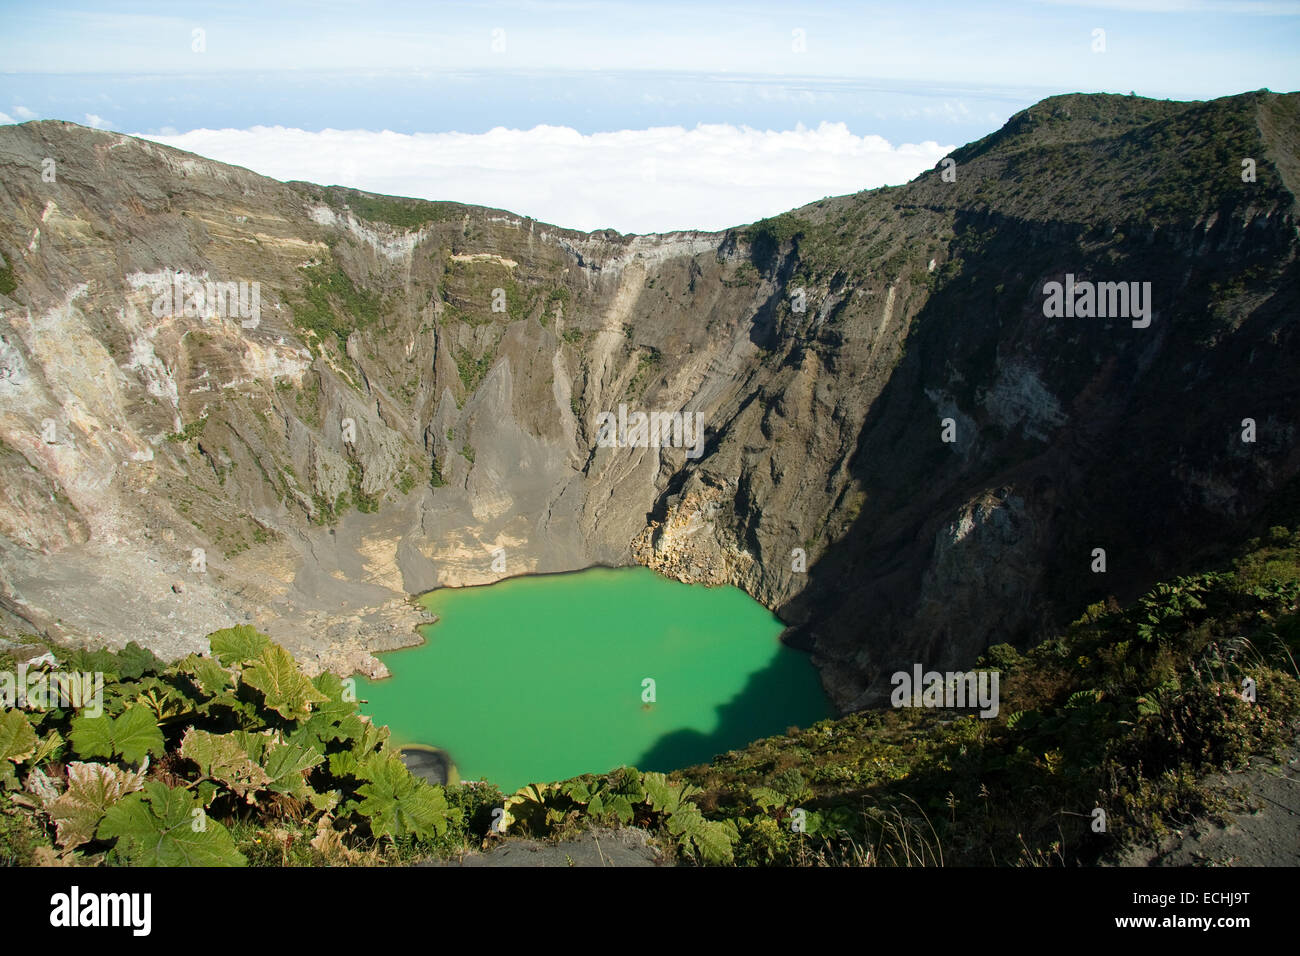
(542, 678)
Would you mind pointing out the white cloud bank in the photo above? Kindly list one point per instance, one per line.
(648, 180)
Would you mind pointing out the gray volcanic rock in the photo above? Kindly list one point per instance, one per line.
(427, 762)
(417, 403)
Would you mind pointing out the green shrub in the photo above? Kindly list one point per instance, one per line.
(332, 305)
(435, 475)
(190, 432)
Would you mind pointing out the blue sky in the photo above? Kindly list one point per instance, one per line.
(941, 72)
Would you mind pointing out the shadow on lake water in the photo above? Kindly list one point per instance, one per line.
(773, 699)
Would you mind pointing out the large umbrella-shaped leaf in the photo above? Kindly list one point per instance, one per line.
(164, 827)
(223, 758)
(132, 735)
(399, 803)
(235, 645)
(92, 789)
(286, 689)
(17, 739)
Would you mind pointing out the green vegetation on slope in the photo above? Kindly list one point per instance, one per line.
(435, 474)
(1126, 711)
(766, 237)
(333, 305)
(398, 211)
(191, 431)
(473, 370)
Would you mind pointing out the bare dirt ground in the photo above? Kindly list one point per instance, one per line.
(1260, 828)
(623, 847)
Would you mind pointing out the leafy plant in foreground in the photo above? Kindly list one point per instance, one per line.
(186, 755)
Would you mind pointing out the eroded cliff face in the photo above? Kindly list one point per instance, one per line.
(416, 403)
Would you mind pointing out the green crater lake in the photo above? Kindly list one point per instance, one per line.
(541, 678)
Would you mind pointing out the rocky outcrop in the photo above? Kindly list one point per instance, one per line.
(902, 454)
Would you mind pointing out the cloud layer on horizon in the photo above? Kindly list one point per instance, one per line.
(636, 180)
